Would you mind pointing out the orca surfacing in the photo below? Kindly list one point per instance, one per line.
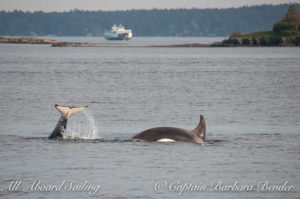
(168, 134)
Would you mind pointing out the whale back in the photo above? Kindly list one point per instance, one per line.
(200, 130)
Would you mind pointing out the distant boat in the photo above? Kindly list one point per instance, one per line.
(118, 33)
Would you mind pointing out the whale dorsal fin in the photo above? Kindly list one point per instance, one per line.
(66, 111)
(200, 130)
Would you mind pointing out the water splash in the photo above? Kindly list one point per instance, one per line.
(81, 128)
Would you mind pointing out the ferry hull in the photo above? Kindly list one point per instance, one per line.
(117, 38)
(118, 33)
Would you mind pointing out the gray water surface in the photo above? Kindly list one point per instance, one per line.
(250, 98)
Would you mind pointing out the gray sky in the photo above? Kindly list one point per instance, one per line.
(66, 5)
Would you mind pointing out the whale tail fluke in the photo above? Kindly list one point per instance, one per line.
(66, 111)
(200, 130)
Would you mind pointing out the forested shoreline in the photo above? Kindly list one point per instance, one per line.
(156, 22)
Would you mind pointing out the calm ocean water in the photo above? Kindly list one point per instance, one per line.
(250, 98)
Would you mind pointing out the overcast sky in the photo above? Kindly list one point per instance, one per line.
(66, 5)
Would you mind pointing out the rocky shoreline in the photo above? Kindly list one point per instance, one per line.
(262, 39)
(30, 40)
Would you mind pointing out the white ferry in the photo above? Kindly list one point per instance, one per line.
(118, 33)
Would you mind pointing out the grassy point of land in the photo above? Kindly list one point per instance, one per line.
(267, 34)
(284, 33)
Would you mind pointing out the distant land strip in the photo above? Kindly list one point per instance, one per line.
(53, 43)
(26, 40)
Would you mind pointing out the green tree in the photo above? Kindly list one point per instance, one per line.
(293, 18)
(289, 22)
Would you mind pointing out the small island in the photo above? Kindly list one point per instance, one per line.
(284, 33)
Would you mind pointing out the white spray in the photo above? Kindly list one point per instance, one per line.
(82, 129)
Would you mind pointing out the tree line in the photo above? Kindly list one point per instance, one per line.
(155, 22)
